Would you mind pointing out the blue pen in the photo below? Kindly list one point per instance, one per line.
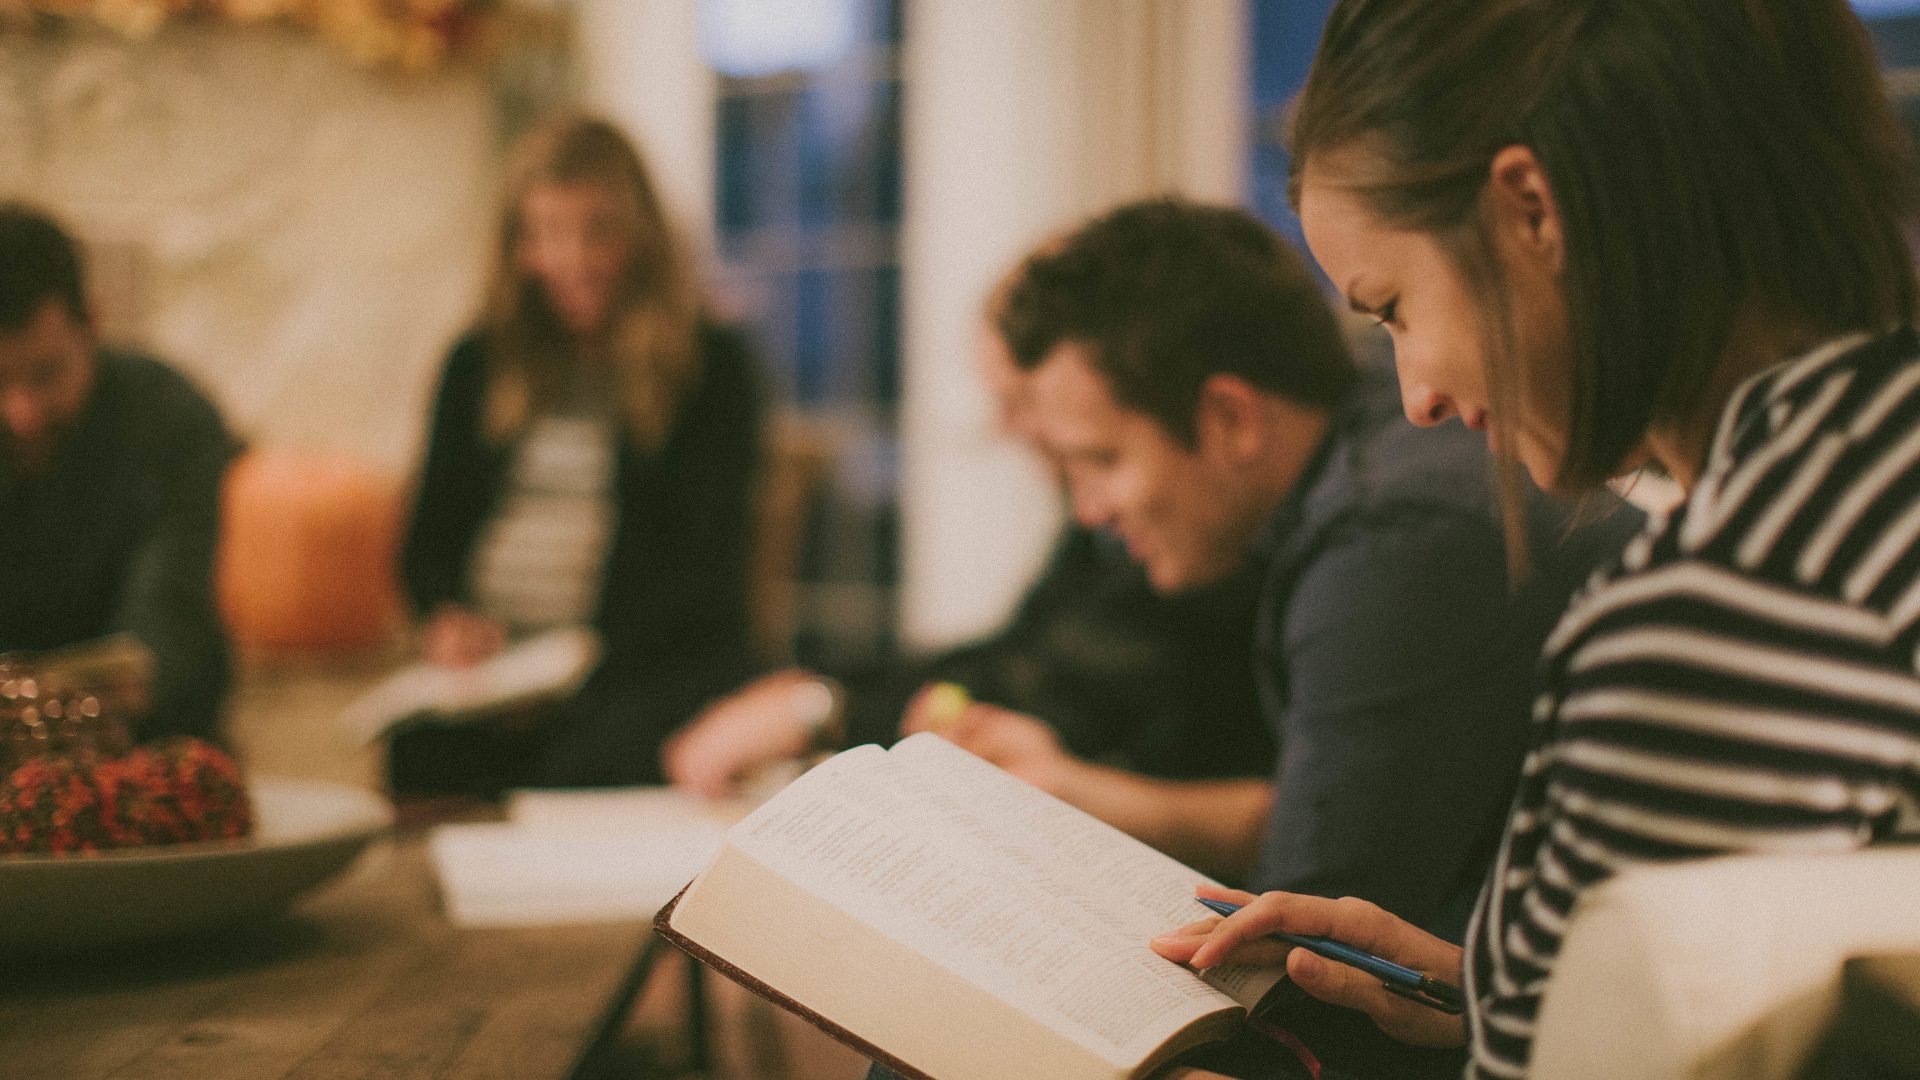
(1398, 978)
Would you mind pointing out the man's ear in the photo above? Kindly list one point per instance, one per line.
(1521, 209)
(1228, 419)
(87, 322)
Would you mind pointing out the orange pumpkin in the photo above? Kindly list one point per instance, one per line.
(307, 550)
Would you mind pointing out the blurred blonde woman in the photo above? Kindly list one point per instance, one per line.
(591, 460)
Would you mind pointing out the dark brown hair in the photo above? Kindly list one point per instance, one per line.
(1711, 161)
(38, 262)
(1165, 293)
(652, 351)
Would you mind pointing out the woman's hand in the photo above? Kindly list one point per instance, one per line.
(1242, 937)
(456, 637)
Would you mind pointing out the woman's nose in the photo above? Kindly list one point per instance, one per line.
(1425, 407)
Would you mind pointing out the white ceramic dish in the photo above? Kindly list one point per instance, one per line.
(305, 831)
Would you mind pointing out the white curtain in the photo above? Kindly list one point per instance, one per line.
(1022, 118)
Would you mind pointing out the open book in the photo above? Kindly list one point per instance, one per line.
(546, 666)
(952, 921)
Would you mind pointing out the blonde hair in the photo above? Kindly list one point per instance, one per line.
(651, 354)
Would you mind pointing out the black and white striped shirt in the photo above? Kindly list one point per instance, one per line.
(1744, 681)
(541, 556)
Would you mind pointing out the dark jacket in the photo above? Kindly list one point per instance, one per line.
(1396, 664)
(1155, 684)
(1396, 660)
(118, 534)
(673, 606)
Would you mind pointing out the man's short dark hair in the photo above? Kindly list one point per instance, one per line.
(1166, 293)
(38, 262)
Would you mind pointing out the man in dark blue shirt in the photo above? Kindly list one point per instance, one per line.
(110, 473)
(1184, 371)
(1157, 684)
(1200, 398)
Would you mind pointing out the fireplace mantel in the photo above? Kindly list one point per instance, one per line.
(303, 235)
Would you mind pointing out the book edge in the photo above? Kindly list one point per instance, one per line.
(663, 925)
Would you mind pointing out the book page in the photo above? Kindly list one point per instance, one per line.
(1074, 857)
(863, 833)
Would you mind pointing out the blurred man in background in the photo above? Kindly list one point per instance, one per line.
(110, 473)
(1155, 684)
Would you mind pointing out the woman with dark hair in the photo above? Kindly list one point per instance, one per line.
(591, 461)
(1616, 233)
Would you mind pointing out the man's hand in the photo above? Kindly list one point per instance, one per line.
(1026, 747)
(731, 738)
(934, 707)
(1243, 937)
(457, 637)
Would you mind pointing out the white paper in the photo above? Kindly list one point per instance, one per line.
(620, 809)
(577, 856)
(551, 664)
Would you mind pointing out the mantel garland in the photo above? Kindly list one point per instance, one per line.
(409, 36)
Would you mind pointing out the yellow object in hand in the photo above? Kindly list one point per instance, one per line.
(945, 702)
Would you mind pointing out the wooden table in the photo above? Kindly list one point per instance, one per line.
(363, 979)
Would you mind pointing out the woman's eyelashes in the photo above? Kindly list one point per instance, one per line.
(1388, 314)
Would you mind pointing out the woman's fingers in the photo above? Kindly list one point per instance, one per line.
(1221, 892)
(1180, 945)
(1180, 949)
(1257, 917)
(1353, 921)
(456, 637)
(1245, 936)
(1337, 983)
(1405, 1020)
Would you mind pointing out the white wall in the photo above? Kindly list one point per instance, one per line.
(1021, 119)
(303, 236)
(640, 65)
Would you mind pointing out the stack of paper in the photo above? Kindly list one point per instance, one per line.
(578, 856)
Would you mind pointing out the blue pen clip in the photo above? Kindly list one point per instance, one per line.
(1432, 993)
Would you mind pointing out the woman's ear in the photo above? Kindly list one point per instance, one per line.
(1521, 208)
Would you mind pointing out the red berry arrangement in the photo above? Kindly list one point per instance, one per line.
(171, 792)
